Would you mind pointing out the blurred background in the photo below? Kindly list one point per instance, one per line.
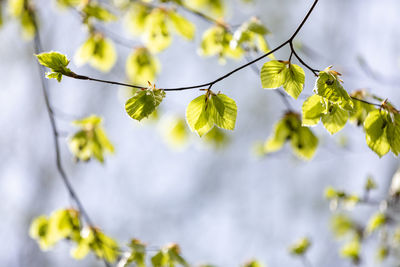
(222, 206)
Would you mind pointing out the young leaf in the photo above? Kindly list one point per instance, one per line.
(276, 73)
(375, 126)
(273, 74)
(335, 120)
(328, 85)
(312, 109)
(208, 110)
(144, 103)
(294, 80)
(55, 61)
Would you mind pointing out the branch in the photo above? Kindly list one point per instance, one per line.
(208, 84)
(55, 133)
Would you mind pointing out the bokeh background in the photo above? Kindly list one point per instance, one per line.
(221, 206)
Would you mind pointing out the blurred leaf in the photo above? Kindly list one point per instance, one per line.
(91, 141)
(352, 251)
(95, 10)
(142, 66)
(216, 137)
(342, 225)
(176, 132)
(382, 253)
(370, 184)
(98, 51)
(300, 247)
(289, 128)
(251, 36)
(215, 7)
(253, 263)
(182, 26)
(137, 255)
(216, 42)
(376, 222)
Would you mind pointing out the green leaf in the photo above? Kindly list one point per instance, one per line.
(312, 109)
(144, 103)
(137, 254)
(300, 247)
(136, 17)
(329, 86)
(352, 251)
(216, 137)
(375, 126)
(275, 74)
(216, 41)
(304, 143)
(393, 134)
(93, 240)
(55, 61)
(302, 139)
(142, 66)
(176, 132)
(215, 7)
(253, 263)
(251, 36)
(335, 119)
(183, 26)
(370, 184)
(376, 222)
(91, 141)
(281, 134)
(38, 231)
(93, 9)
(98, 51)
(206, 111)
(157, 36)
(294, 80)
(342, 225)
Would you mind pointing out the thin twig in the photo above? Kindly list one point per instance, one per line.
(55, 133)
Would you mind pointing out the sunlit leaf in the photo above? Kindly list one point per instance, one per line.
(328, 85)
(144, 103)
(275, 74)
(375, 126)
(208, 110)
